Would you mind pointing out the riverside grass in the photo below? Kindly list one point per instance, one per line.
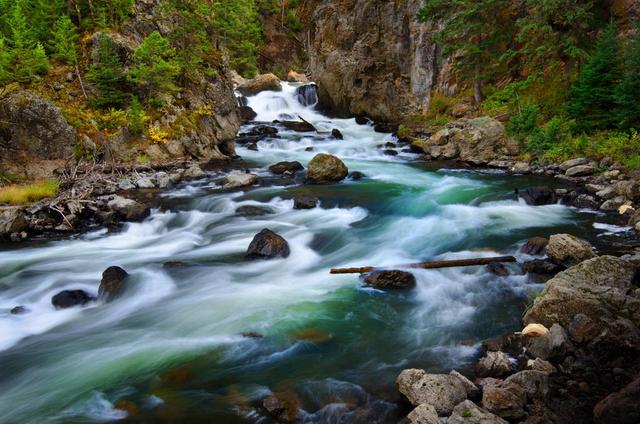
(24, 194)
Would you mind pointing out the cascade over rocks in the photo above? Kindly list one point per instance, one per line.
(267, 245)
(326, 169)
(307, 94)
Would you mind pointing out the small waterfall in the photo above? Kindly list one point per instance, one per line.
(308, 95)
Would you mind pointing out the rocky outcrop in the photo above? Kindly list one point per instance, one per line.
(34, 135)
(326, 169)
(373, 58)
(477, 141)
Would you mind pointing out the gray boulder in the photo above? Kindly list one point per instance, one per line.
(128, 209)
(568, 250)
(441, 391)
(534, 383)
(424, 414)
(506, 400)
(468, 412)
(237, 179)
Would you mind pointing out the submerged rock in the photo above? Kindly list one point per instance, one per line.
(285, 166)
(247, 113)
(337, 134)
(441, 391)
(535, 246)
(304, 202)
(326, 169)
(19, 310)
(390, 280)
(249, 210)
(70, 298)
(568, 250)
(113, 284)
(357, 175)
(266, 245)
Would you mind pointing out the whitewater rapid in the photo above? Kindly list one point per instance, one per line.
(76, 364)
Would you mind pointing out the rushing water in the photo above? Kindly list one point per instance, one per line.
(172, 348)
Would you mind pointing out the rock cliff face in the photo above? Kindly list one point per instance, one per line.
(373, 58)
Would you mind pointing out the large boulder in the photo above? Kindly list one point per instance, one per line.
(128, 209)
(70, 298)
(441, 391)
(621, 407)
(326, 169)
(423, 414)
(534, 383)
(113, 283)
(237, 179)
(286, 166)
(468, 412)
(596, 288)
(506, 400)
(478, 141)
(264, 82)
(568, 250)
(266, 245)
(391, 279)
(35, 138)
(495, 364)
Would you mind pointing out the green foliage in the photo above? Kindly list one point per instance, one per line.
(65, 36)
(107, 75)
(156, 67)
(525, 123)
(627, 93)
(594, 92)
(136, 118)
(5, 63)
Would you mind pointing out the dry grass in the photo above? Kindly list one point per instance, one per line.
(28, 193)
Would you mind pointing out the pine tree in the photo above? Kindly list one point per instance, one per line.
(474, 31)
(64, 41)
(107, 74)
(5, 63)
(627, 93)
(156, 67)
(593, 95)
(28, 57)
(136, 117)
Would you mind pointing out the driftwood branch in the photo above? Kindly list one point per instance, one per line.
(431, 264)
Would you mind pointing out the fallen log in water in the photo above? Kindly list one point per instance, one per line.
(430, 265)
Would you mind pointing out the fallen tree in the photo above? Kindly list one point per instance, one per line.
(430, 264)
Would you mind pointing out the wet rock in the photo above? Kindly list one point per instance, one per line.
(174, 264)
(326, 169)
(70, 298)
(534, 383)
(555, 344)
(494, 364)
(621, 407)
(535, 246)
(298, 126)
(361, 120)
(580, 171)
(506, 400)
(193, 172)
(305, 202)
(19, 310)
(252, 146)
(337, 134)
(113, 283)
(356, 175)
(509, 343)
(568, 250)
(128, 209)
(266, 245)
(423, 414)
(498, 269)
(442, 391)
(468, 412)
(390, 152)
(249, 210)
(252, 335)
(283, 406)
(384, 128)
(282, 167)
(265, 82)
(538, 196)
(390, 280)
(541, 266)
(247, 113)
(237, 179)
(12, 220)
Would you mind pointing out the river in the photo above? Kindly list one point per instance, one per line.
(172, 349)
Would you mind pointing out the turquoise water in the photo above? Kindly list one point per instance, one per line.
(172, 349)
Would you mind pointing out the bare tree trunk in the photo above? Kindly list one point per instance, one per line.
(431, 264)
(80, 80)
